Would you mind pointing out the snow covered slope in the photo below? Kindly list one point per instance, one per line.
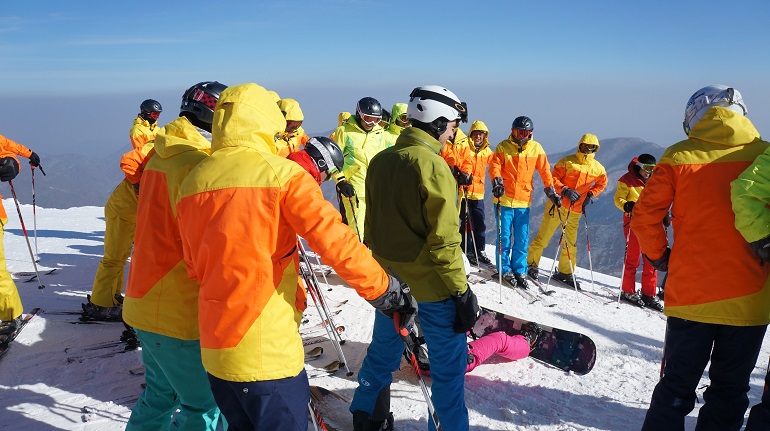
(42, 390)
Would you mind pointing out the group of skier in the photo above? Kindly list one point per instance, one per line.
(213, 284)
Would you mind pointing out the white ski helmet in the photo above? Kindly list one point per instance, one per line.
(706, 97)
(435, 106)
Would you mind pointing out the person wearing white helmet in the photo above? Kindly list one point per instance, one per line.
(717, 291)
(412, 228)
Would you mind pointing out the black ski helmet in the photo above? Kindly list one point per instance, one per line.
(148, 106)
(369, 106)
(325, 152)
(523, 123)
(199, 101)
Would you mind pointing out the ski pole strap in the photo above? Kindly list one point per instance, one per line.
(41, 169)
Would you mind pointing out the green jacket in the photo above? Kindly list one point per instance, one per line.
(411, 222)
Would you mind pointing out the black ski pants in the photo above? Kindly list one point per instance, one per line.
(689, 345)
(759, 417)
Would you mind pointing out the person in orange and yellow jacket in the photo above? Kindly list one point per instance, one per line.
(717, 291)
(145, 124)
(239, 213)
(104, 302)
(161, 302)
(512, 170)
(11, 308)
(457, 154)
(473, 196)
(294, 137)
(579, 178)
(630, 186)
(361, 137)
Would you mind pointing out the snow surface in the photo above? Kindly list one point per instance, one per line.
(41, 390)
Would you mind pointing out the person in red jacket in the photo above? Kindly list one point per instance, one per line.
(10, 302)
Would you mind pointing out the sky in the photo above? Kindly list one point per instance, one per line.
(72, 74)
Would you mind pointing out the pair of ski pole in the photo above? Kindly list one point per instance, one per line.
(24, 228)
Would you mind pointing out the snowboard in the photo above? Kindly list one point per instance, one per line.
(567, 350)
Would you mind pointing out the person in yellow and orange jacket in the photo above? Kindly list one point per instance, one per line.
(104, 302)
(630, 186)
(512, 170)
(717, 291)
(398, 122)
(457, 154)
(161, 301)
(239, 213)
(361, 137)
(294, 137)
(473, 196)
(10, 302)
(578, 178)
(145, 124)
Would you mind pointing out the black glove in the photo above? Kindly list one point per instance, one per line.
(570, 194)
(550, 193)
(346, 189)
(397, 299)
(498, 189)
(628, 206)
(463, 178)
(9, 168)
(761, 248)
(588, 200)
(34, 159)
(667, 219)
(661, 264)
(466, 311)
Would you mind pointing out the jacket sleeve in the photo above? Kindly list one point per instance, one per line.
(496, 163)
(621, 195)
(544, 168)
(132, 163)
(600, 183)
(8, 145)
(464, 159)
(558, 174)
(651, 208)
(316, 220)
(750, 194)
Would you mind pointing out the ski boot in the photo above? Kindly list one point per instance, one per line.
(472, 259)
(566, 279)
(521, 281)
(532, 332)
(652, 302)
(92, 311)
(362, 422)
(533, 271)
(632, 298)
(483, 258)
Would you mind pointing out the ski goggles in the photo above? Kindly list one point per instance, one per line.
(588, 148)
(646, 167)
(154, 115)
(403, 120)
(370, 119)
(522, 133)
(292, 125)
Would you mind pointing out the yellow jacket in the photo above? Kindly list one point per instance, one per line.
(142, 132)
(581, 172)
(358, 148)
(294, 141)
(479, 159)
(517, 166)
(240, 211)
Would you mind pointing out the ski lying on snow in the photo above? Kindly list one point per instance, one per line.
(31, 275)
(7, 344)
(327, 370)
(84, 357)
(321, 338)
(314, 353)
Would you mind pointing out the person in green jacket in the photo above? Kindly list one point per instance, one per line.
(412, 228)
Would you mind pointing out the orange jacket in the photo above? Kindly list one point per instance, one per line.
(581, 172)
(132, 163)
(160, 297)
(142, 132)
(239, 212)
(517, 166)
(479, 158)
(456, 152)
(9, 148)
(713, 276)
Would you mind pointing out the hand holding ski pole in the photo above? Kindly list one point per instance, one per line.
(398, 299)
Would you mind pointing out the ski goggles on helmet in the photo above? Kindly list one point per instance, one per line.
(588, 148)
(646, 167)
(292, 125)
(370, 119)
(522, 133)
(153, 114)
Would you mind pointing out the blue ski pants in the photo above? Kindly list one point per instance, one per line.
(175, 379)
(514, 235)
(268, 405)
(448, 360)
(477, 228)
(689, 346)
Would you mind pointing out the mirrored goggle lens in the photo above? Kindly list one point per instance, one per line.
(293, 125)
(646, 168)
(591, 148)
(154, 115)
(370, 119)
(522, 133)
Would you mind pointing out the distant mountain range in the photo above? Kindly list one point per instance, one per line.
(77, 180)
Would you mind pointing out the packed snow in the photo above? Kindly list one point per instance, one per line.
(50, 382)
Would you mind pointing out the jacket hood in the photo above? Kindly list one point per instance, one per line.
(179, 136)
(342, 118)
(478, 125)
(588, 138)
(139, 121)
(291, 110)
(247, 116)
(723, 126)
(398, 110)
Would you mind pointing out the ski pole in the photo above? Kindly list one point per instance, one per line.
(355, 219)
(24, 229)
(469, 226)
(413, 360)
(558, 247)
(323, 309)
(563, 225)
(625, 256)
(318, 420)
(588, 244)
(499, 252)
(34, 214)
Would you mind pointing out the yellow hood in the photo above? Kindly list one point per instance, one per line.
(179, 136)
(478, 125)
(247, 116)
(588, 138)
(291, 110)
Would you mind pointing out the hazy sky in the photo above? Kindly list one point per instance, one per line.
(72, 74)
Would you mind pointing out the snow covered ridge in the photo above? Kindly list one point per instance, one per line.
(42, 390)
